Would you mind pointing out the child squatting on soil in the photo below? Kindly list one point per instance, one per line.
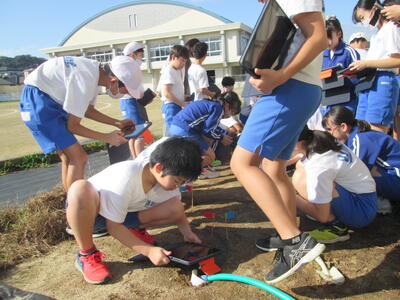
(131, 196)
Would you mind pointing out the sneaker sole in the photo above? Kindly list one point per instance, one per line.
(339, 239)
(266, 249)
(94, 235)
(105, 280)
(309, 257)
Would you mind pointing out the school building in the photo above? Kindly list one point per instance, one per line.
(159, 25)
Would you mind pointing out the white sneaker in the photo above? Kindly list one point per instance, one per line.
(208, 173)
(384, 206)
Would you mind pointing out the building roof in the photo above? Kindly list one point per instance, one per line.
(153, 18)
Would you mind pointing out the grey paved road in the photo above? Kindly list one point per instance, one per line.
(16, 188)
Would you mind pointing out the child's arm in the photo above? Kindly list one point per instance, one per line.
(313, 27)
(114, 138)
(188, 234)
(167, 92)
(93, 114)
(391, 12)
(157, 255)
(386, 63)
(207, 92)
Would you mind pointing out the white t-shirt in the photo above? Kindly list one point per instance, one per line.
(197, 77)
(363, 53)
(315, 122)
(173, 76)
(139, 91)
(226, 123)
(310, 74)
(70, 81)
(248, 103)
(121, 189)
(342, 167)
(384, 43)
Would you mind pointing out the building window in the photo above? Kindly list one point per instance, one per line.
(159, 52)
(243, 43)
(132, 20)
(214, 45)
(100, 56)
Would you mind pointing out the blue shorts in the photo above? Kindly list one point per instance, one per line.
(46, 119)
(177, 131)
(388, 185)
(356, 210)
(378, 105)
(129, 109)
(131, 221)
(276, 120)
(169, 110)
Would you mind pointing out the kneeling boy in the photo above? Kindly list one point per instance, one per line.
(131, 196)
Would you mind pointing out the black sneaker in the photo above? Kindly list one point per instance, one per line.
(291, 258)
(270, 244)
(96, 232)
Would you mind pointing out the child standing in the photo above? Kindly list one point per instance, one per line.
(197, 75)
(143, 193)
(378, 104)
(129, 105)
(63, 90)
(379, 151)
(272, 130)
(171, 80)
(338, 53)
(334, 186)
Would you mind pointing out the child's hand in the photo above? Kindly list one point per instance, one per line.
(126, 123)
(227, 140)
(191, 237)
(269, 80)
(359, 65)
(159, 256)
(115, 138)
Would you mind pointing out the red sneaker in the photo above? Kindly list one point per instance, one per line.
(143, 235)
(93, 269)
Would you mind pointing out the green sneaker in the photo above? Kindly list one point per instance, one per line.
(216, 163)
(330, 234)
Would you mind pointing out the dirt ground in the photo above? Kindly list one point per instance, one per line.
(370, 260)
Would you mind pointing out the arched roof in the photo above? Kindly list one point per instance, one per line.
(93, 19)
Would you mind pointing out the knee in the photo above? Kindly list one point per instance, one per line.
(175, 209)
(81, 193)
(80, 158)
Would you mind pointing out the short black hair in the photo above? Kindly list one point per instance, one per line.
(200, 50)
(190, 44)
(333, 25)
(227, 81)
(232, 99)
(179, 156)
(317, 141)
(179, 51)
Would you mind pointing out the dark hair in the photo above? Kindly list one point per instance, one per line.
(179, 156)
(358, 40)
(141, 50)
(200, 50)
(189, 45)
(179, 51)
(333, 25)
(369, 4)
(317, 141)
(340, 114)
(232, 99)
(227, 81)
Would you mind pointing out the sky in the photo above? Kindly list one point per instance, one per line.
(27, 26)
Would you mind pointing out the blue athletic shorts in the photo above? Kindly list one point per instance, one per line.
(388, 185)
(276, 120)
(169, 110)
(378, 105)
(177, 131)
(131, 221)
(129, 109)
(356, 210)
(46, 119)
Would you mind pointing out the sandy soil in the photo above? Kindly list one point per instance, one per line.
(370, 260)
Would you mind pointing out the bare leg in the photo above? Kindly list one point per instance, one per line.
(245, 165)
(139, 145)
(83, 207)
(276, 170)
(131, 144)
(64, 168)
(77, 159)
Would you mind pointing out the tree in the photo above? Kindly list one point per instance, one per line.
(21, 62)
